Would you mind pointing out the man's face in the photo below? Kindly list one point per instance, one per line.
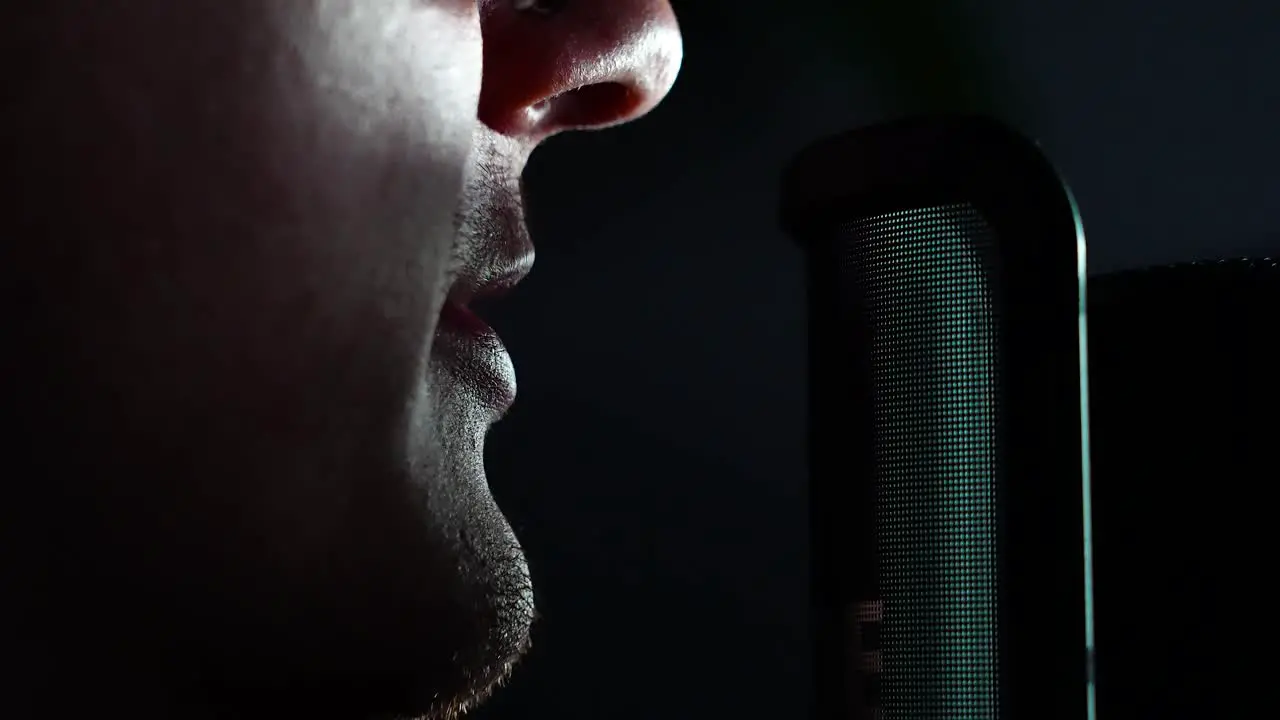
(248, 235)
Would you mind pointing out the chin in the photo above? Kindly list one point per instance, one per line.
(443, 630)
(421, 609)
(498, 613)
(477, 605)
(428, 604)
(471, 623)
(358, 570)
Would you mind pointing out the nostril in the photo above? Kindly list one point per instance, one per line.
(542, 7)
(596, 105)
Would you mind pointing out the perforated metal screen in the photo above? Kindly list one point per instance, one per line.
(935, 374)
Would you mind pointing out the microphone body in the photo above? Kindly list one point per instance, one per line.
(949, 475)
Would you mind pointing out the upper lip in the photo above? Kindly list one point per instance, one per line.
(491, 281)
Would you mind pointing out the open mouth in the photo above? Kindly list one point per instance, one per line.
(469, 346)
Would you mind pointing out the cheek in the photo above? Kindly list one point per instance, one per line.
(391, 75)
(278, 180)
(386, 97)
(279, 194)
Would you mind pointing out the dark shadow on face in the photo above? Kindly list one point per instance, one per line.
(252, 446)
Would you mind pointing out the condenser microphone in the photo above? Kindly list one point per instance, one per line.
(949, 475)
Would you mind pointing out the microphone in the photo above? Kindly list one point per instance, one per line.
(949, 476)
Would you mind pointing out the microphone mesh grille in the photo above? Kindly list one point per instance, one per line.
(924, 286)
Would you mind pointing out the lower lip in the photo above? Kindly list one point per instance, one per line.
(476, 354)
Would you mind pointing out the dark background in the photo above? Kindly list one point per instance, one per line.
(654, 465)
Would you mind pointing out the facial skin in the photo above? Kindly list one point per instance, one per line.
(250, 410)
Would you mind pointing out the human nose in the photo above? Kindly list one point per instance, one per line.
(556, 65)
